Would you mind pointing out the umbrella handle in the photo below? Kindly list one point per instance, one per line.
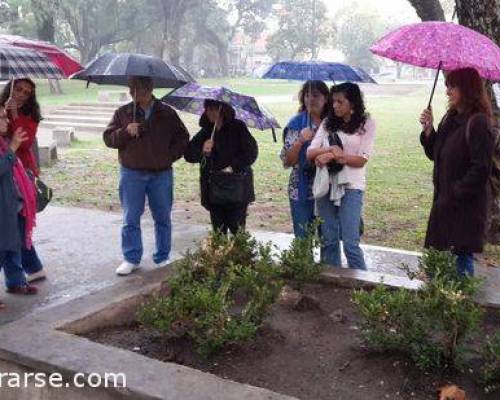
(134, 105)
(434, 86)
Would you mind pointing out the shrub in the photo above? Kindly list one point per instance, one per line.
(220, 293)
(490, 370)
(297, 262)
(432, 323)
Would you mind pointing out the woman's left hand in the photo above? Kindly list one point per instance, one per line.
(337, 152)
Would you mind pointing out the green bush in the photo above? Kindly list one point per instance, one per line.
(220, 293)
(490, 370)
(297, 263)
(430, 324)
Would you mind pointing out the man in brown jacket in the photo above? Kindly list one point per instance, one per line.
(147, 146)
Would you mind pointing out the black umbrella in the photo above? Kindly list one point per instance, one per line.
(116, 68)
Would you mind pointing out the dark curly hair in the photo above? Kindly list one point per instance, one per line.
(359, 116)
(31, 108)
(319, 86)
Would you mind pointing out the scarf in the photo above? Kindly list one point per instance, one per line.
(27, 189)
(299, 122)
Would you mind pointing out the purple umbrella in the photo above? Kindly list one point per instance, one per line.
(190, 98)
(441, 45)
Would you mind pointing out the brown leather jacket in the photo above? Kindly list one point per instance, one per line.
(163, 138)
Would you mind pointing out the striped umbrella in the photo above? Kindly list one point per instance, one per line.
(16, 63)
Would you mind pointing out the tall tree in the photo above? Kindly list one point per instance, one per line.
(45, 12)
(303, 28)
(173, 13)
(96, 23)
(428, 10)
(247, 15)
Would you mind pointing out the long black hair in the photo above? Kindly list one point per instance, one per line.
(359, 116)
(314, 85)
(31, 108)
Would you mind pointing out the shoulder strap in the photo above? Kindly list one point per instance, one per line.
(467, 129)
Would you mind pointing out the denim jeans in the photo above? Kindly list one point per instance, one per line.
(465, 264)
(342, 222)
(29, 258)
(302, 216)
(135, 185)
(10, 262)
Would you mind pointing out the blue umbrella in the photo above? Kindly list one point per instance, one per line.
(115, 69)
(317, 70)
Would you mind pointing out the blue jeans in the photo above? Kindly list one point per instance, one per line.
(465, 264)
(135, 185)
(29, 257)
(11, 262)
(342, 222)
(302, 216)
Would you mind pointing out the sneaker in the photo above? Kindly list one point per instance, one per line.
(37, 276)
(163, 263)
(25, 289)
(126, 268)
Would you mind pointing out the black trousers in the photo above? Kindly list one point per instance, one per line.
(230, 218)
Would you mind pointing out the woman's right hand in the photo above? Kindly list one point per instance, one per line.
(306, 134)
(18, 137)
(427, 120)
(11, 105)
(208, 146)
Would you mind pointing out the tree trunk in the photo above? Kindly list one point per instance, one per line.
(484, 17)
(428, 10)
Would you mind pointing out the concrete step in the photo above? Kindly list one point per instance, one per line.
(79, 111)
(80, 127)
(71, 118)
(106, 105)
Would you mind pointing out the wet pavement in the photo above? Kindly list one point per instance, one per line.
(80, 249)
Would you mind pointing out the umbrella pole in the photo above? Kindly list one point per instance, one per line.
(134, 104)
(11, 88)
(434, 86)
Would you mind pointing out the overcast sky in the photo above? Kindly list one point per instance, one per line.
(401, 8)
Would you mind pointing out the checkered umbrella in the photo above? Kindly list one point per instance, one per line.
(16, 63)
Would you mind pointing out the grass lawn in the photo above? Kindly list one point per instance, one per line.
(398, 196)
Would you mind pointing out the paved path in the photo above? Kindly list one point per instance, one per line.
(81, 249)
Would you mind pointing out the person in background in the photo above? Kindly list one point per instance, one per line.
(341, 218)
(462, 151)
(148, 143)
(314, 105)
(232, 149)
(23, 112)
(17, 210)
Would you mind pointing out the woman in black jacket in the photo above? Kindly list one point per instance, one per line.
(223, 144)
(462, 152)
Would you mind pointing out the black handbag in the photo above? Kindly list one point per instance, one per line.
(43, 195)
(230, 188)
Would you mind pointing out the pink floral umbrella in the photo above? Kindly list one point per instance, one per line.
(441, 45)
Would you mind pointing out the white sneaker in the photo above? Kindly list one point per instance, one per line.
(126, 268)
(164, 263)
(37, 276)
